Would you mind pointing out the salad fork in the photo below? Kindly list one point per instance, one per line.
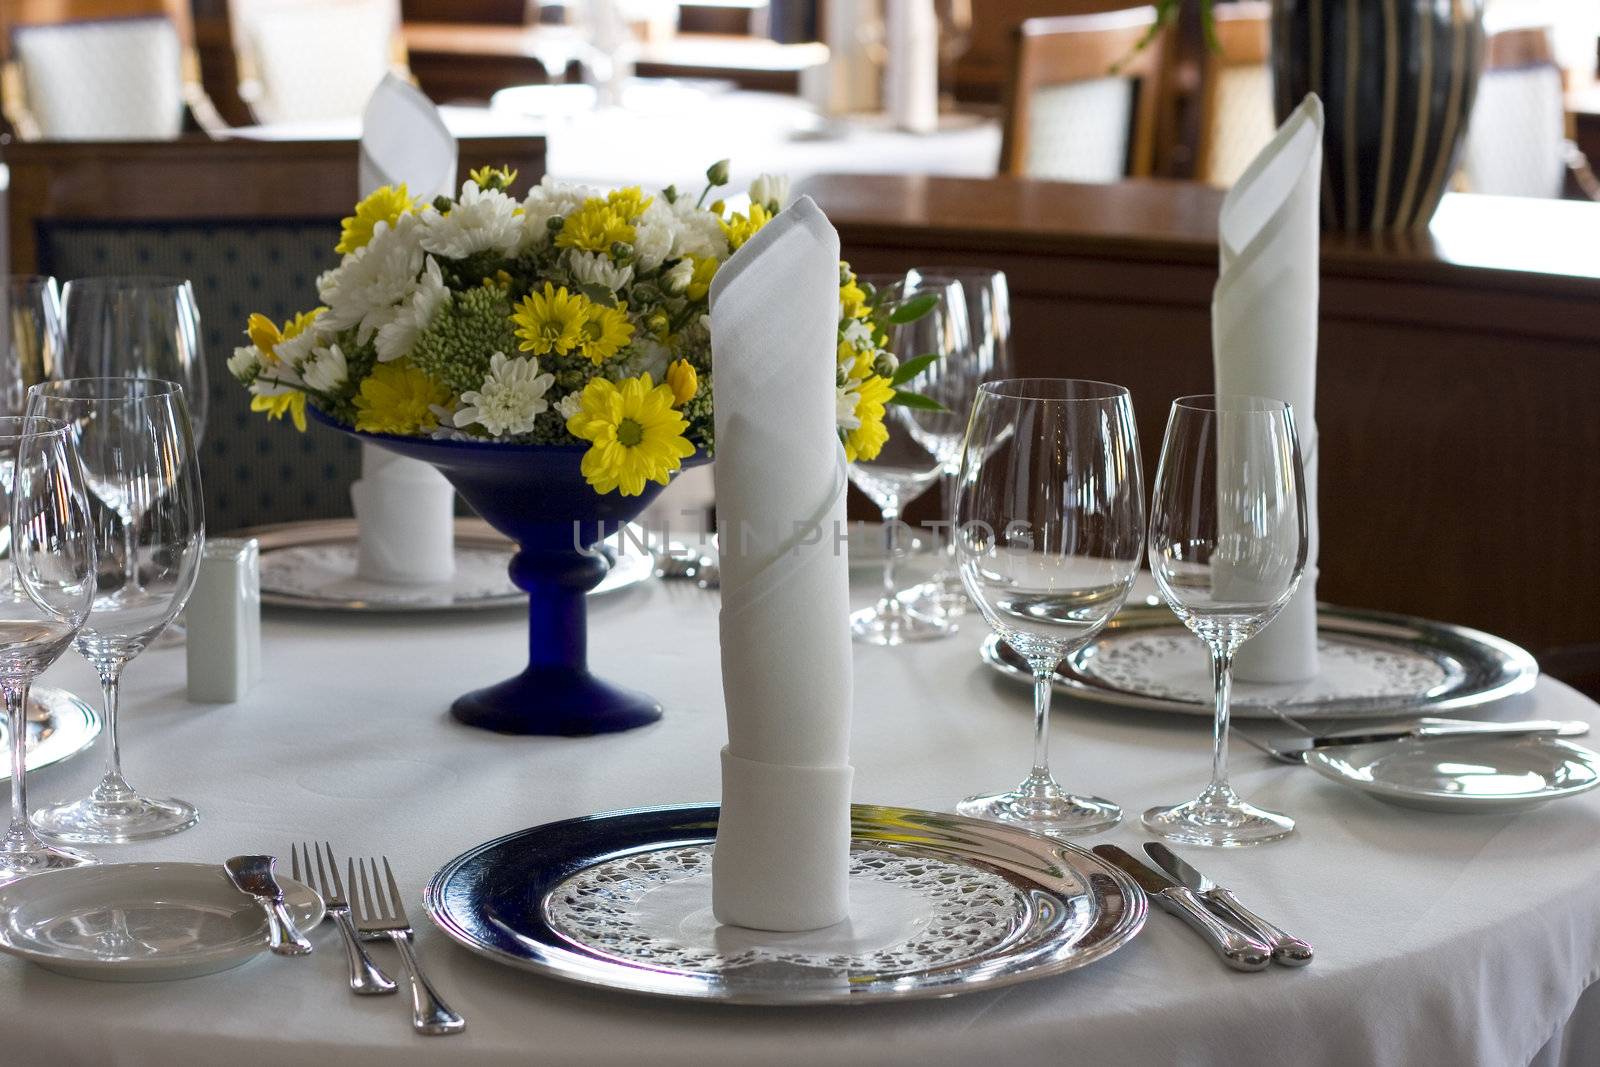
(376, 914)
(365, 978)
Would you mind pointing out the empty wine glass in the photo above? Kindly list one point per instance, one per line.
(953, 381)
(1227, 548)
(47, 581)
(138, 455)
(32, 338)
(1050, 538)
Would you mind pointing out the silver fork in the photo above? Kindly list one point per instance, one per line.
(376, 914)
(365, 978)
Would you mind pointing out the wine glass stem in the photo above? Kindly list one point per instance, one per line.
(948, 498)
(20, 836)
(112, 786)
(1222, 679)
(1042, 687)
(891, 549)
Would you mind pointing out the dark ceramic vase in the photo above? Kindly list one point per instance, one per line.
(536, 495)
(1397, 79)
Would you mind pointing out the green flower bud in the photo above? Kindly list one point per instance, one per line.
(717, 173)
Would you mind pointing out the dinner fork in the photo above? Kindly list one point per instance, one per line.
(377, 914)
(365, 977)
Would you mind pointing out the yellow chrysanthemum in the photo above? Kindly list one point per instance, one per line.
(636, 434)
(604, 332)
(740, 228)
(398, 398)
(683, 381)
(865, 441)
(266, 335)
(496, 177)
(628, 203)
(385, 204)
(852, 300)
(292, 404)
(551, 321)
(594, 227)
(705, 268)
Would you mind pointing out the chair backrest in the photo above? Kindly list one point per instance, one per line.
(1082, 104)
(147, 208)
(1516, 140)
(1236, 119)
(305, 60)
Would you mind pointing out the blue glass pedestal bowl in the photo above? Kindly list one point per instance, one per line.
(536, 495)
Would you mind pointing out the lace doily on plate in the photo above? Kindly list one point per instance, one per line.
(328, 572)
(909, 913)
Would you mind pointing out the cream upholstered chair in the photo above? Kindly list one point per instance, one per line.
(304, 60)
(1081, 103)
(1236, 119)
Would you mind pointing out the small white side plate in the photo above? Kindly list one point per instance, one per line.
(140, 922)
(1463, 774)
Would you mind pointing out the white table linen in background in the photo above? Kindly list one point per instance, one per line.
(1441, 939)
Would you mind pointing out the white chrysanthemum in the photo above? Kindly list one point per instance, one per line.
(698, 233)
(245, 363)
(592, 268)
(770, 191)
(570, 404)
(678, 276)
(654, 234)
(509, 399)
(846, 397)
(396, 337)
(294, 351)
(857, 334)
(482, 220)
(326, 371)
(366, 289)
(646, 355)
(546, 201)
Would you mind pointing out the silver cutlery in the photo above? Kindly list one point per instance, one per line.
(365, 978)
(377, 913)
(1286, 950)
(1291, 749)
(256, 876)
(1238, 950)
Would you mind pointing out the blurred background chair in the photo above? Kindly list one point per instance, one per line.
(100, 70)
(1082, 104)
(1236, 119)
(306, 60)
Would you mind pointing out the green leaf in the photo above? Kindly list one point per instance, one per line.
(916, 400)
(598, 293)
(911, 368)
(914, 309)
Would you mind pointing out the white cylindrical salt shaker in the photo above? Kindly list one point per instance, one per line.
(224, 619)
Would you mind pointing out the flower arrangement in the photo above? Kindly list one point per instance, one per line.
(574, 316)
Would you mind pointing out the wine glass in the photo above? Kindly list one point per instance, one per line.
(137, 449)
(953, 381)
(33, 338)
(1227, 548)
(47, 581)
(1050, 538)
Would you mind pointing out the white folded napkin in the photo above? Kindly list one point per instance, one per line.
(911, 85)
(404, 508)
(783, 840)
(1264, 338)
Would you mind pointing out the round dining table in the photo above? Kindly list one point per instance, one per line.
(1441, 939)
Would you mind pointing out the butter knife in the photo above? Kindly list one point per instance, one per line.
(1286, 950)
(1238, 950)
(256, 876)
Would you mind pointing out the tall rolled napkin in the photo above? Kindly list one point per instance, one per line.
(911, 75)
(405, 510)
(1264, 339)
(783, 838)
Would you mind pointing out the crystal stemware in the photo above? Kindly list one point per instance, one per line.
(953, 381)
(1050, 537)
(31, 338)
(47, 581)
(137, 448)
(1227, 548)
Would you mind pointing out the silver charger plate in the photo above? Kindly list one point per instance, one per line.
(1374, 665)
(940, 905)
(59, 726)
(312, 565)
(1484, 775)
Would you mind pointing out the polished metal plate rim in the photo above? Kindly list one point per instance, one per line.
(496, 900)
(632, 568)
(1474, 668)
(1487, 775)
(59, 727)
(177, 920)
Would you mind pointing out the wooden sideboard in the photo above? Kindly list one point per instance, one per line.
(1458, 379)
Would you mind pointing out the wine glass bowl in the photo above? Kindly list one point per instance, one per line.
(33, 336)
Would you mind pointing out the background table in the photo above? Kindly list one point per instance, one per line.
(1441, 939)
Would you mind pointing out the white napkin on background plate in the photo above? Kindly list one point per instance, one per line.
(405, 510)
(1264, 339)
(783, 839)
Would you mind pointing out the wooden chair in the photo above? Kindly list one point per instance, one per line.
(1082, 104)
(1236, 116)
(100, 69)
(258, 245)
(307, 60)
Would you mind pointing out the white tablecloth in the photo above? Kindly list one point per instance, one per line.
(1441, 939)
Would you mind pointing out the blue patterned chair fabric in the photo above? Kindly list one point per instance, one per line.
(254, 471)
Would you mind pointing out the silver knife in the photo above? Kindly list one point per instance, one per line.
(1293, 748)
(1289, 951)
(1238, 950)
(256, 876)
